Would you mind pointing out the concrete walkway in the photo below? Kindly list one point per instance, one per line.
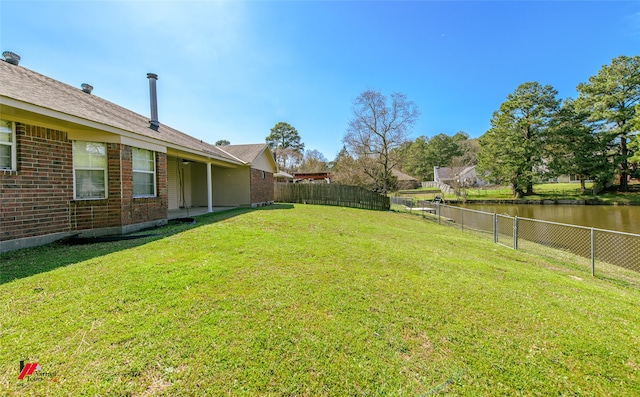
(188, 212)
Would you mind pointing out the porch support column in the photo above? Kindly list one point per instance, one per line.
(209, 189)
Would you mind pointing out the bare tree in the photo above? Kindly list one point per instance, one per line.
(314, 161)
(345, 170)
(379, 125)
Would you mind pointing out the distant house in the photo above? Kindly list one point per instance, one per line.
(74, 163)
(457, 175)
(324, 177)
(405, 181)
(283, 177)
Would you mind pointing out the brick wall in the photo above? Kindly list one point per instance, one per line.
(121, 208)
(262, 188)
(35, 199)
(97, 214)
(143, 209)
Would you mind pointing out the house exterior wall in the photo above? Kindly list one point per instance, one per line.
(262, 187)
(231, 186)
(194, 179)
(37, 203)
(264, 162)
(199, 185)
(172, 183)
(35, 199)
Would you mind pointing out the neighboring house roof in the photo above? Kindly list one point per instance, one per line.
(245, 153)
(401, 176)
(320, 175)
(450, 173)
(283, 175)
(33, 92)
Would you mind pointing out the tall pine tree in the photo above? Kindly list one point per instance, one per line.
(512, 150)
(610, 97)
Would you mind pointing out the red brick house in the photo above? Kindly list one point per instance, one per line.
(74, 163)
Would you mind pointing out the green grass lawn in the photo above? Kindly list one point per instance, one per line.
(313, 301)
(544, 191)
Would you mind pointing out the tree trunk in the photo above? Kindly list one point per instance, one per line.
(624, 165)
(517, 193)
(529, 188)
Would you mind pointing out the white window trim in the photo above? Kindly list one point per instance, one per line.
(13, 145)
(133, 171)
(106, 180)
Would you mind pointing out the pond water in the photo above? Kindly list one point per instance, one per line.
(611, 217)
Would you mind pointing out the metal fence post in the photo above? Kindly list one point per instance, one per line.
(593, 252)
(462, 219)
(495, 228)
(515, 232)
(438, 210)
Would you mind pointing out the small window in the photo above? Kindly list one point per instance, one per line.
(90, 170)
(144, 173)
(7, 145)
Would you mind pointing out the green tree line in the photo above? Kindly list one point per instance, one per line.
(535, 135)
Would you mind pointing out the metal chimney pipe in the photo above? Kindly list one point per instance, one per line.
(153, 123)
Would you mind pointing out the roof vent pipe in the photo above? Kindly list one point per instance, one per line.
(153, 123)
(11, 57)
(87, 88)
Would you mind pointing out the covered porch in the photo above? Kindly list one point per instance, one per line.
(197, 185)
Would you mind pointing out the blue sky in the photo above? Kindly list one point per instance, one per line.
(232, 70)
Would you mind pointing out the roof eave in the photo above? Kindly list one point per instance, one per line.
(57, 115)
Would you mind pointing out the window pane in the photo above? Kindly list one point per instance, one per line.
(90, 184)
(89, 155)
(5, 156)
(143, 184)
(5, 131)
(143, 160)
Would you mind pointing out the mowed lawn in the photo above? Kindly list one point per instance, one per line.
(312, 301)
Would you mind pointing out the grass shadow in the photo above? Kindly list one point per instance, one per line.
(27, 262)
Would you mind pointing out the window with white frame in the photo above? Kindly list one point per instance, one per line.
(7, 145)
(144, 173)
(90, 170)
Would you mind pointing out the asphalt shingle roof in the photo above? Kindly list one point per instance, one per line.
(25, 85)
(245, 153)
(451, 172)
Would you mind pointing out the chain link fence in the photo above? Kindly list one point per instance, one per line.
(601, 248)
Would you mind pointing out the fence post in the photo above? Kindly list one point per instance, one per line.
(495, 228)
(593, 252)
(461, 219)
(438, 210)
(515, 232)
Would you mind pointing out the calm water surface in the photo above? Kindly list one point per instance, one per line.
(611, 217)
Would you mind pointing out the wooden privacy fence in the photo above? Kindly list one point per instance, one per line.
(330, 194)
